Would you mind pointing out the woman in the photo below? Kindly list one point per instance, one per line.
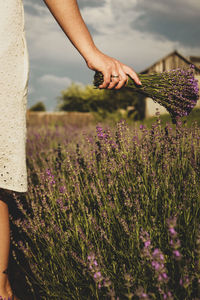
(13, 99)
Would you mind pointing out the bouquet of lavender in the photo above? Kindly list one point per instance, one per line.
(176, 90)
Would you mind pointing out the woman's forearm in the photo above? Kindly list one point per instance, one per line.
(68, 16)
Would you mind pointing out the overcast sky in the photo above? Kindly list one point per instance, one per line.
(137, 32)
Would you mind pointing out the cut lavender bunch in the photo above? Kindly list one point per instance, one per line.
(177, 90)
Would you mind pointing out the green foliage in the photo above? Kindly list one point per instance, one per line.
(112, 118)
(89, 99)
(39, 106)
(194, 116)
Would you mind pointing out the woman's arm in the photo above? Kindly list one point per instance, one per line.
(68, 16)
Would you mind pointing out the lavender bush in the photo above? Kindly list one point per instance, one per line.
(177, 90)
(113, 214)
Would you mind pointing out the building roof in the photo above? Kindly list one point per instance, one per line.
(176, 53)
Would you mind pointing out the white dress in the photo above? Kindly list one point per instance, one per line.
(14, 73)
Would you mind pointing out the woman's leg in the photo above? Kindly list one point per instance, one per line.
(4, 248)
(4, 241)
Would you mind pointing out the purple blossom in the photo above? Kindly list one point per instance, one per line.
(48, 171)
(95, 263)
(96, 272)
(174, 241)
(51, 176)
(164, 275)
(147, 243)
(172, 231)
(156, 265)
(177, 90)
(97, 275)
(141, 293)
(156, 251)
(62, 189)
(176, 253)
(167, 296)
(144, 295)
(100, 133)
(141, 126)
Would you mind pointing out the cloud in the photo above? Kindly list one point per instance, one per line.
(113, 17)
(45, 39)
(55, 81)
(34, 7)
(122, 28)
(90, 3)
(175, 20)
(136, 32)
(118, 38)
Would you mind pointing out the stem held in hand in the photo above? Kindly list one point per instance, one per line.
(177, 90)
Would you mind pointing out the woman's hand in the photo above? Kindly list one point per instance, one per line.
(68, 16)
(109, 67)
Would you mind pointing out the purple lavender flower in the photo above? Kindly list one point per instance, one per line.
(95, 269)
(141, 293)
(172, 231)
(50, 176)
(177, 254)
(95, 263)
(97, 275)
(164, 275)
(174, 242)
(147, 243)
(141, 126)
(101, 135)
(176, 90)
(167, 296)
(62, 189)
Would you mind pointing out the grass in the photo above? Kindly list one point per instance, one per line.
(112, 118)
(194, 116)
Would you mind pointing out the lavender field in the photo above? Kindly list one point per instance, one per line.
(113, 212)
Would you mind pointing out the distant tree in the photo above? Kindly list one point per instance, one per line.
(89, 99)
(79, 98)
(39, 106)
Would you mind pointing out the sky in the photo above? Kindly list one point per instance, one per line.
(136, 32)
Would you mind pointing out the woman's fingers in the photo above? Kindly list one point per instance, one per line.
(114, 77)
(115, 73)
(132, 74)
(123, 80)
(117, 78)
(114, 80)
(111, 78)
(106, 81)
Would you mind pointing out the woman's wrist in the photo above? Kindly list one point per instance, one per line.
(90, 53)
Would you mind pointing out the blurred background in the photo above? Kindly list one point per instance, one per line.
(138, 33)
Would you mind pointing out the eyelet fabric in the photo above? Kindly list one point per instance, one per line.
(14, 74)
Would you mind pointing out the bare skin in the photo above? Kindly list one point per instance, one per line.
(5, 288)
(68, 16)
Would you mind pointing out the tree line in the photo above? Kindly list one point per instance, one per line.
(89, 99)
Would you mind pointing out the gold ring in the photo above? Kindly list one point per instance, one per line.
(115, 76)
